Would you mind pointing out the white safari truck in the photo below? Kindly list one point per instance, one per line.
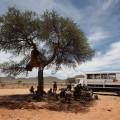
(106, 81)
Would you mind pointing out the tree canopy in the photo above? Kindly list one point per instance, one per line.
(43, 40)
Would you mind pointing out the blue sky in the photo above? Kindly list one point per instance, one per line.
(100, 21)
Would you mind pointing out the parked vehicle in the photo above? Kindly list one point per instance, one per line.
(101, 81)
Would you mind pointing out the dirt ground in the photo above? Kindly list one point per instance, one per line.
(106, 108)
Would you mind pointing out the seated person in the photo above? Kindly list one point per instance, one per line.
(50, 93)
(62, 93)
(32, 90)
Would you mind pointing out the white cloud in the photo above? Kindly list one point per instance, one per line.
(110, 59)
(97, 36)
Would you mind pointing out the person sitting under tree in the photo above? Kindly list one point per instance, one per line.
(50, 93)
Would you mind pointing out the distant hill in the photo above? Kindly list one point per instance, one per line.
(9, 82)
(79, 76)
(48, 79)
(51, 79)
(7, 78)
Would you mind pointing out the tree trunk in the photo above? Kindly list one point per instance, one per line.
(40, 87)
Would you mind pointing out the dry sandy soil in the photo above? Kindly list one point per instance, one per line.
(106, 108)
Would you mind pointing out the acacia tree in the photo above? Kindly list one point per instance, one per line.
(43, 40)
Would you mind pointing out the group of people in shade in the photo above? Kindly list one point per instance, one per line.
(66, 93)
(52, 92)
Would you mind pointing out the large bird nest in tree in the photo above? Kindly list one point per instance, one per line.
(37, 60)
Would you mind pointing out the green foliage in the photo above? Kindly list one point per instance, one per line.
(12, 68)
(17, 30)
(71, 40)
(56, 38)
